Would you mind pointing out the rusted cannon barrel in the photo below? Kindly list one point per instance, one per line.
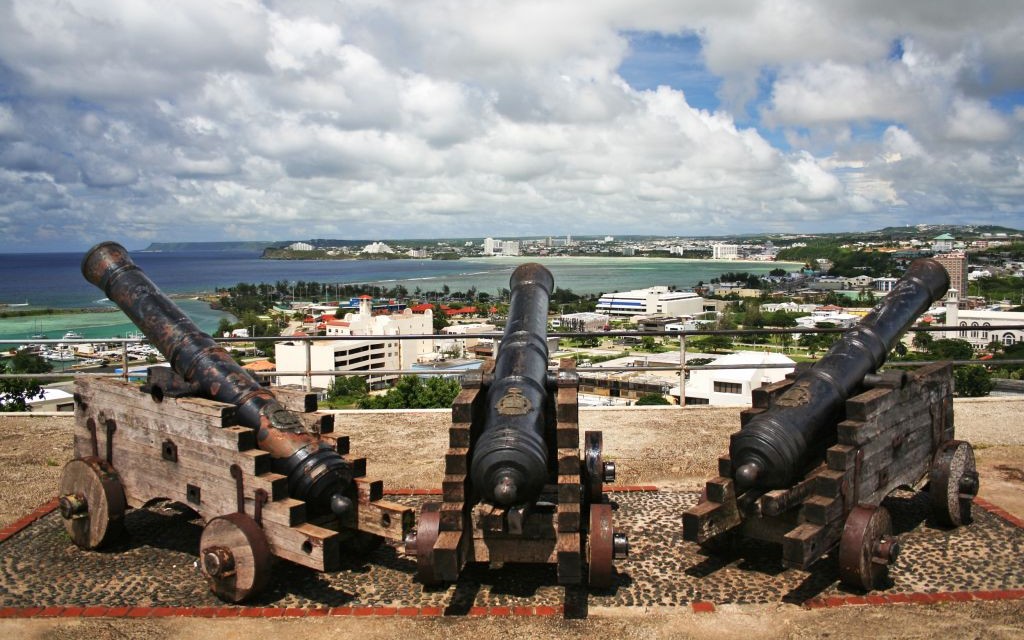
(316, 473)
(775, 447)
(510, 458)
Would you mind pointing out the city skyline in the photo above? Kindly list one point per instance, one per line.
(147, 122)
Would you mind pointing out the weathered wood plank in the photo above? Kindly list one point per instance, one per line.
(295, 398)
(456, 462)
(569, 558)
(307, 545)
(386, 519)
(451, 552)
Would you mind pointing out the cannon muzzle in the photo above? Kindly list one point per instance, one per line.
(316, 473)
(510, 459)
(776, 446)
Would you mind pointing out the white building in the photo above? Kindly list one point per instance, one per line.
(732, 387)
(943, 243)
(361, 355)
(365, 323)
(586, 321)
(725, 251)
(859, 282)
(655, 300)
(377, 247)
(828, 316)
(884, 285)
(980, 327)
(461, 346)
(492, 246)
(340, 355)
(300, 246)
(788, 307)
(510, 248)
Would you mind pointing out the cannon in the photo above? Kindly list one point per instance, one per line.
(818, 452)
(516, 488)
(263, 469)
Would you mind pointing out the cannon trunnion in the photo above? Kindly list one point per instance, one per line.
(818, 452)
(516, 487)
(261, 466)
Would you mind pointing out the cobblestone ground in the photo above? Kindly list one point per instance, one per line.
(156, 566)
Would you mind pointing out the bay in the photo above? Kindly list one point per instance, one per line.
(54, 280)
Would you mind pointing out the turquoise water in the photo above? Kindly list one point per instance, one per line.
(55, 280)
(587, 275)
(113, 324)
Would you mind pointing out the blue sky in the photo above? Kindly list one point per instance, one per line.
(138, 120)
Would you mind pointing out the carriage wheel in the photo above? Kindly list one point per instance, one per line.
(953, 483)
(92, 502)
(593, 466)
(867, 547)
(235, 557)
(427, 529)
(600, 546)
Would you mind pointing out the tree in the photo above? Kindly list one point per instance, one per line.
(16, 392)
(223, 327)
(714, 343)
(951, 349)
(411, 392)
(972, 381)
(923, 340)
(652, 399)
(815, 342)
(27, 362)
(440, 319)
(347, 389)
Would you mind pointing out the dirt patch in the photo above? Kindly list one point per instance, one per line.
(991, 620)
(1010, 474)
(1002, 476)
(32, 453)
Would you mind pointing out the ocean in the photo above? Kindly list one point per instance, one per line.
(55, 280)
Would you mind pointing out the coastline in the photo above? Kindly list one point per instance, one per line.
(98, 324)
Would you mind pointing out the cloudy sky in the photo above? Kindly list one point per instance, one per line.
(178, 120)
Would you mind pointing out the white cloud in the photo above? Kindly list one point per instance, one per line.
(976, 121)
(389, 118)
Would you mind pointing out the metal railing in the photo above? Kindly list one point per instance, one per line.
(681, 369)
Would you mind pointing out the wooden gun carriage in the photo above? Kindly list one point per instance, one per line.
(516, 487)
(896, 434)
(818, 452)
(262, 467)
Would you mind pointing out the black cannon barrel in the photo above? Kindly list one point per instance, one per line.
(510, 458)
(316, 473)
(774, 448)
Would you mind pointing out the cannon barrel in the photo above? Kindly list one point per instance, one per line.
(510, 459)
(316, 473)
(775, 447)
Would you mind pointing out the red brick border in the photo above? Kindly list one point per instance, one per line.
(23, 523)
(999, 512)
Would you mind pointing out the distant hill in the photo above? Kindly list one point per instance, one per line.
(960, 232)
(256, 245)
